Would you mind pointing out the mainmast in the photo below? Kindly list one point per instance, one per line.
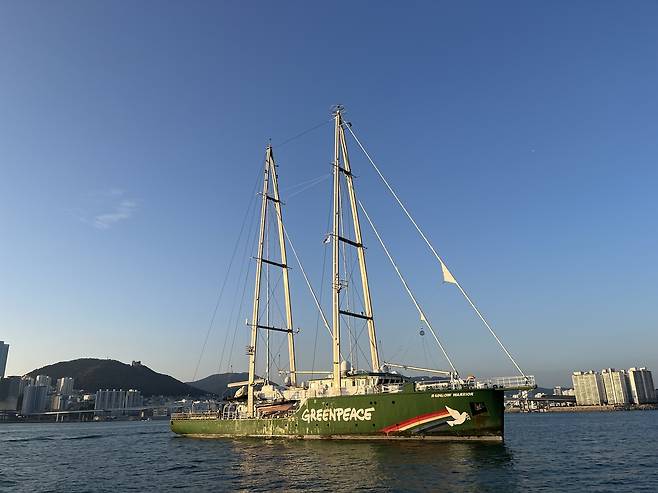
(341, 157)
(270, 176)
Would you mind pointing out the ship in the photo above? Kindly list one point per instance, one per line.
(380, 402)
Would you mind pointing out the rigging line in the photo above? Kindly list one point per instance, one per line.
(247, 265)
(397, 351)
(427, 359)
(466, 296)
(358, 346)
(309, 130)
(308, 283)
(273, 290)
(407, 288)
(363, 328)
(348, 287)
(306, 182)
(249, 239)
(278, 307)
(307, 187)
(301, 268)
(317, 318)
(357, 339)
(221, 291)
(267, 302)
(235, 331)
(324, 263)
(278, 351)
(232, 321)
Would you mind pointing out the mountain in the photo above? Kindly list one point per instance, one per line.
(217, 383)
(93, 374)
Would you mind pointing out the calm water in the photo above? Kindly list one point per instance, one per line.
(547, 452)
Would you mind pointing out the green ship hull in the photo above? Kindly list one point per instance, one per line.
(429, 414)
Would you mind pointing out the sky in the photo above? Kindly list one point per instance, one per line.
(521, 136)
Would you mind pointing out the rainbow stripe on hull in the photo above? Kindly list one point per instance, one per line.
(419, 423)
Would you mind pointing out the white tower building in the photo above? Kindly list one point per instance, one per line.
(44, 380)
(34, 399)
(65, 385)
(588, 387)
(616, 386)
(641, 384)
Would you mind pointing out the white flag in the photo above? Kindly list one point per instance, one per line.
(447, 275)
(422, 317)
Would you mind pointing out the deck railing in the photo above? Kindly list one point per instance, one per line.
(503, 383)
(506, 383)
(195, 416)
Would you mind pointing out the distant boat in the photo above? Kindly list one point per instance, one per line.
(347, 403)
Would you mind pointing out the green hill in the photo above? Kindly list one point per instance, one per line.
(92, 374)
(217, 383)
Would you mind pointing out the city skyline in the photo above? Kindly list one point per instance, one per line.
(131, 144)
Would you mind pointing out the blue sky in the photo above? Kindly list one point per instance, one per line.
(522, 136)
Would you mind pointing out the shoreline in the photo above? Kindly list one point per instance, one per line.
(585, 409)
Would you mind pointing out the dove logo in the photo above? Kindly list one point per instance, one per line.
(457, 417)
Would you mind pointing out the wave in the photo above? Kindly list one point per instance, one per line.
(28, 439)
(49, 439)
(181, 467)
(83, 437)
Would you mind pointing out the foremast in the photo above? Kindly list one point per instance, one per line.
(341, 166)
(269, 179)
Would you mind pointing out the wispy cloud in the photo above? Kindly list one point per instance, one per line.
(105, 208)
(122, 211)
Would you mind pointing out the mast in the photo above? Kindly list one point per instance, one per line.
(269, 175)
(365, 286)
(335, 284)
(340, 150)
(284, 264)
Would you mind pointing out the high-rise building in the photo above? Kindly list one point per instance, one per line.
(134, 398)
(117, 400)
(4, 352)
(34, 399)
(588, 387)
(641, 386)
(44, 380)
(59, 402)
(616, 386)
(107, 400)
(9, 392)
(65, 385)
(25, 381)
(557, 390)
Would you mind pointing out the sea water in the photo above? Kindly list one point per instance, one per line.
(613, 452)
